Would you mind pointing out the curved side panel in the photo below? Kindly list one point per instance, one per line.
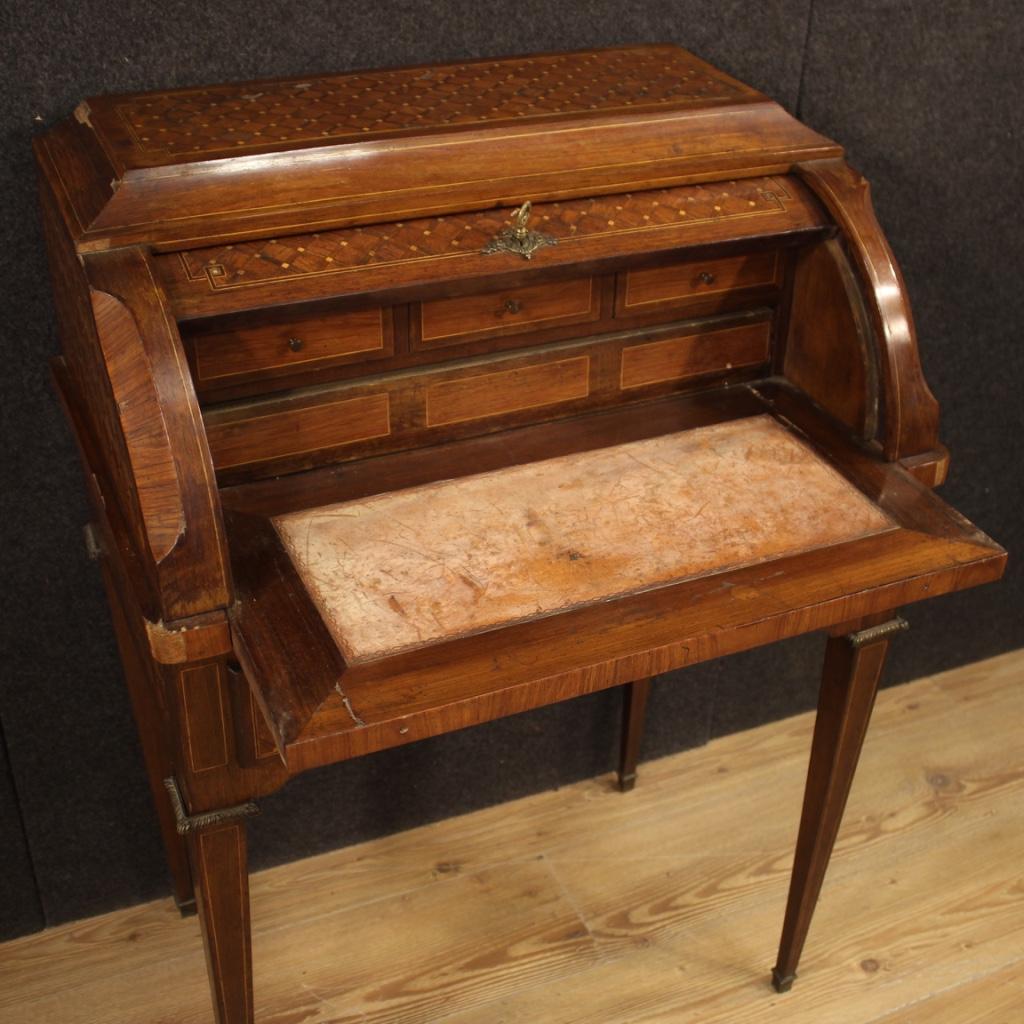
(829, 351)
(170, 463)
(142, 422)
(85, 390)
(911, 414)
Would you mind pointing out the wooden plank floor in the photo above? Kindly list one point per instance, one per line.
(663, 905)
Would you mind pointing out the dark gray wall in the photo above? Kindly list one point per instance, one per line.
(927, 97)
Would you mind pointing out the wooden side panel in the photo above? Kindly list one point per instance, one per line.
(142, 420)
(85, 390)
(129, 394)
(828, 352)
(280, 639)
(169, 460)
(911, 415)
(204, 717)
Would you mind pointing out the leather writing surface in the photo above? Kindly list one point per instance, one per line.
(426, 564)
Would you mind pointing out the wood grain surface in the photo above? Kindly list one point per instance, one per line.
(692, 355)
(582, 905)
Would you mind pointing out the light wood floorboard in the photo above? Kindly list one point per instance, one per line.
(663, 905)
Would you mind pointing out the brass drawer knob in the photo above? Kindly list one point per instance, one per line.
(706, 277)
(513, 305)
(296, 344)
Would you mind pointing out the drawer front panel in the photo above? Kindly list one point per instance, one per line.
(275, 349)
(647, 290)
(495, 394)
(267, 436)
(409, 408)
(694, 355)
(515, 310)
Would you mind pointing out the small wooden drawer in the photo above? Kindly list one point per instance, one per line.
(679, 284)
(512, 311)
(289, 346)
(674, 359)
(242, 437)
(481, 396)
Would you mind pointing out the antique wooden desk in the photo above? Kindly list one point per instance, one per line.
(377, 450)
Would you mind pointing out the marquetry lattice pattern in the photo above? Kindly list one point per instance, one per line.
(233, 117)
(349, 249)
(583, 905)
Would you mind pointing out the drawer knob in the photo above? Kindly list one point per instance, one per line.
(513, 305)
(706, 277)
(296, 344)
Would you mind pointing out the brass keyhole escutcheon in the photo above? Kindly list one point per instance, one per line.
(518, 238)
(706, 277)
(296, 344)
(513, 305)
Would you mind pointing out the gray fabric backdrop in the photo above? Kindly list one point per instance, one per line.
(926, 96)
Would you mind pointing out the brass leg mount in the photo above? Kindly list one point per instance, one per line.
(188, 823)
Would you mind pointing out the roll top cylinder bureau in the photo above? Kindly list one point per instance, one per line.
(410, 399)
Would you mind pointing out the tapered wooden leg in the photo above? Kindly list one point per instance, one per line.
(853, 665)
(221, 875)
(634, 711)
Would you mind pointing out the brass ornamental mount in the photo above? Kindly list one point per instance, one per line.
(186, 823)
(518, 238)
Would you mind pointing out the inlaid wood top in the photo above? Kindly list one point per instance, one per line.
(431, 563)
(237, 117)
(190, 167)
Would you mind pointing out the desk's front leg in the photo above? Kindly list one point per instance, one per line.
(220, 869)
(853, 666)
(217, 850)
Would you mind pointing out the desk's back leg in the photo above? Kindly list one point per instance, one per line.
(853, 665)
(634, 711)
(143, 689)
(220, 869)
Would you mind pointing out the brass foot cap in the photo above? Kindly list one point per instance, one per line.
(187, 908)
(627, 782)
(782, 982)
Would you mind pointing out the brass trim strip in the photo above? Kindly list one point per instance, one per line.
(874, 634)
